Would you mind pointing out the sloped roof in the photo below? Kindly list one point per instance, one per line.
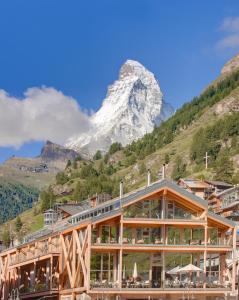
(71, 209)
(228, 191)
(219, 183)
(192, 183)
(165, 183)
(221, 219)
(154, 187)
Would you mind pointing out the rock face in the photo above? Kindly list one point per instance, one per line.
(133, 107)
(53, 152)
(231, 65)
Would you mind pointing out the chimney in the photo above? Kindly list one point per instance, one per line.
(121, 188)
(163, 173)
(149, 177)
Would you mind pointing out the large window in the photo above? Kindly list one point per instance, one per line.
(184, 270)
(142, 270)
(185, 236)
(142, 235)
(144, 209)
(105, 234)
(103, 271)
(175, 210)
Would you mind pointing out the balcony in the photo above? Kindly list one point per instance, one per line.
(32, 254)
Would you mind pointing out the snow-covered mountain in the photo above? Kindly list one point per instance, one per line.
(133, 107)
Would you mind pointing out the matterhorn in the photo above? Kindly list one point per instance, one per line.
(133, 106)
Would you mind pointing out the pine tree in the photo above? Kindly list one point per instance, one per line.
(142, 168)
(224, 168)
(97, 155)
(6, 238)
(18, 224)
(166, 158)
(68, 163)
(179, 170)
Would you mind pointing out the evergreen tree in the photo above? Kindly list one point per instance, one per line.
(115, 147)
(18, 224)
(142, 168)
(80, 192)
(6, 237)
(179, 170)
(61, 178)
(97, 155)
(166, 158)
(224, 168)
(68, 163)
(78, 158)
(47, 200)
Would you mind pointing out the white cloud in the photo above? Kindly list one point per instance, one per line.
(230, 24)
(230, 40)
(44, 113)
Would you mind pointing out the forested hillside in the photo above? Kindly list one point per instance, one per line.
(14, 199)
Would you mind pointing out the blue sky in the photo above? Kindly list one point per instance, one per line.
(77, 47)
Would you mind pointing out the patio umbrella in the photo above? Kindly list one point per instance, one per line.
(174, 271)
(190, 268)
(135, 271)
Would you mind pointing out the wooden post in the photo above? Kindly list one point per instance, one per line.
(120, 268)
(88, 257)
(205, 256)
(73, 268)
(163, 275)
(234, 258)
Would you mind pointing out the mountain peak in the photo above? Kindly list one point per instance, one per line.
(132, 107)
(132, 67)
(52, 152)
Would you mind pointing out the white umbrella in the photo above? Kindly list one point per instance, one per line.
(189, 268)
(135, 271)
(174, 271)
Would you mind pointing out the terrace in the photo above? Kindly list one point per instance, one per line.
(169, 271)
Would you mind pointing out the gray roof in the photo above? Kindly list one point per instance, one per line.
(71, 209)
(219, 183)
(228, 191)
(221, 219)
(232, 204)
(160, 184)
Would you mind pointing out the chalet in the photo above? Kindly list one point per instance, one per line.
(157, 242)
(198, 187)
(218, 186)
(224, 201)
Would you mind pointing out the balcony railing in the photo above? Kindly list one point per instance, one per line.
(158, 284)
(158, 241)
(33, 254)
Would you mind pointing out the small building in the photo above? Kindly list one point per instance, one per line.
(99, 199)
(50, 217)
(218, 186)
(198, 187)
(226, 203)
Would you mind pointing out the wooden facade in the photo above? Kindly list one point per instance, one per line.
(133, 247)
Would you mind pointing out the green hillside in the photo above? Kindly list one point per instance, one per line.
(15, 198)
